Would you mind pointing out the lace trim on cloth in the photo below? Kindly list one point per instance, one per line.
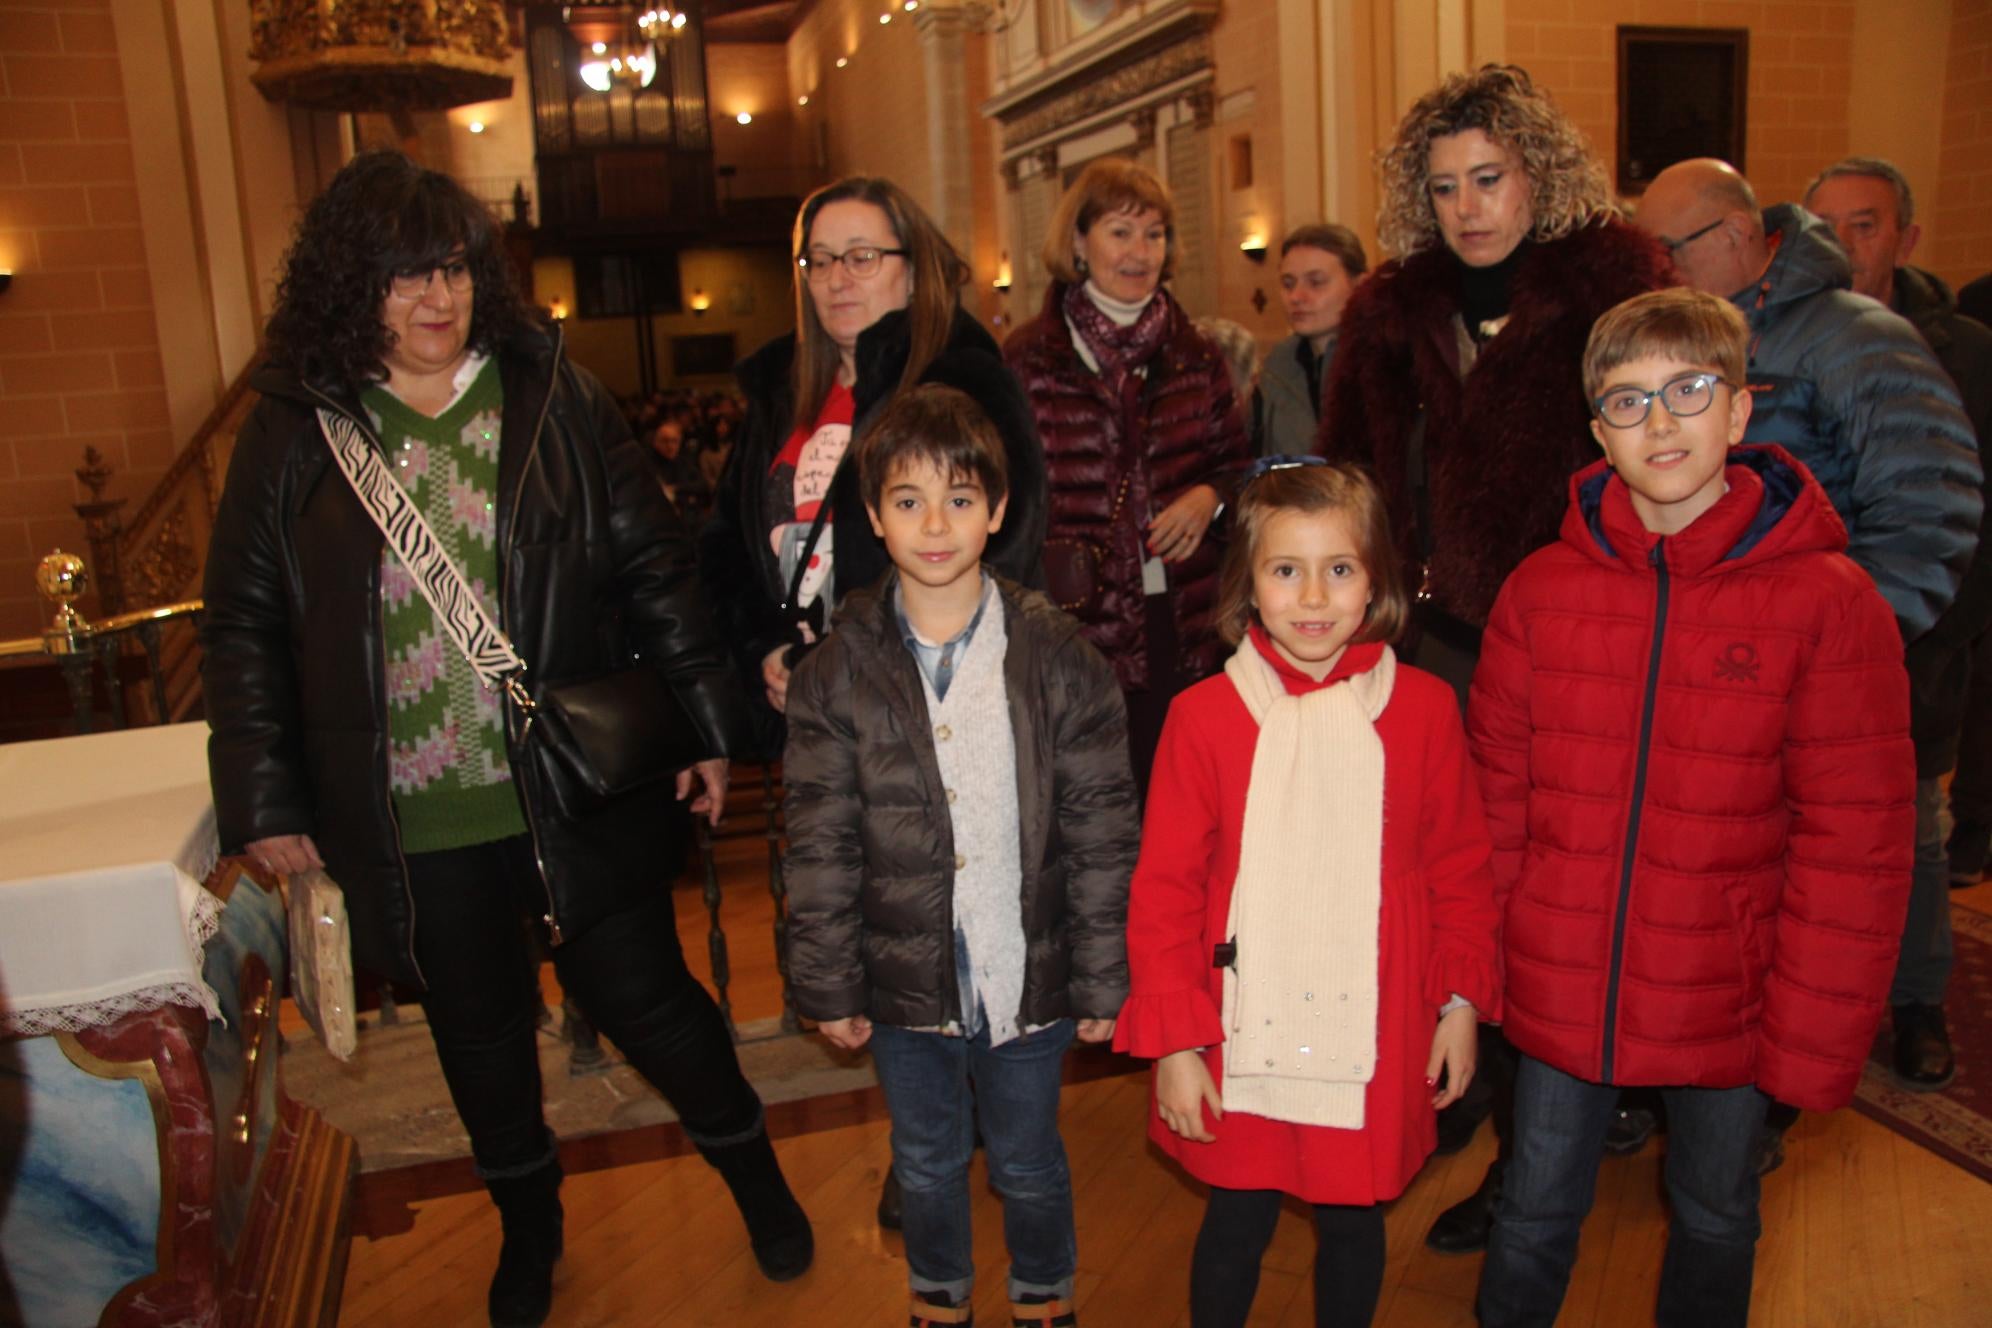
(96, 1014)
(201, 914)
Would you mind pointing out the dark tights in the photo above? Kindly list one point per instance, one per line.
(1237, 1227)
(627, 972)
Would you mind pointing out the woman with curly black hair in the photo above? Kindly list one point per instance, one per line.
(350, 732)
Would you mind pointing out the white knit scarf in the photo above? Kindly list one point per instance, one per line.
(1300, 1001)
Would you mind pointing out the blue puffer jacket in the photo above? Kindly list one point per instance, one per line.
(1851, 390)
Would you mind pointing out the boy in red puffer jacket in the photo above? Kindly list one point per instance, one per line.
(1691, 726)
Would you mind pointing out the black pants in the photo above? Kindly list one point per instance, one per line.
(1147, 708)
(1971, 786)
(627, 972)
(1237, 1227)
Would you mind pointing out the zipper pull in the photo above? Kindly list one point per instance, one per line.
(553, 929)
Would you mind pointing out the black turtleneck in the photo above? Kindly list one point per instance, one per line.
(1484, 291)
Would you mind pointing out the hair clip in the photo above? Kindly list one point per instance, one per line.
(1267, 465)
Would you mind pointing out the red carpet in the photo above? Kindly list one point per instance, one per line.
(1955, 1124)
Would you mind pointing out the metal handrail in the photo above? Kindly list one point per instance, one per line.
(78, 645)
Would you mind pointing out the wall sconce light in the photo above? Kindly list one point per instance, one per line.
(1253, 247)
(743, 118)
(1002, 282)
(802, 100)
(700, 302)
(476, 126)
(558, 308)
(842, 61)
(910, 5)
(6, 279)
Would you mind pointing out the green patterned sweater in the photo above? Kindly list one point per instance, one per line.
(452, 783)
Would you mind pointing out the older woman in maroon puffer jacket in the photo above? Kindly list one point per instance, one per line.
(1141, 439)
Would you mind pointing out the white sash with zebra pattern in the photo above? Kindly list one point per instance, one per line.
(481, 640)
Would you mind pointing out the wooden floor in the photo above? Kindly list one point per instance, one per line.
(1862, 1229)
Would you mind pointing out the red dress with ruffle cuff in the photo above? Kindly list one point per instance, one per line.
(1437, 933)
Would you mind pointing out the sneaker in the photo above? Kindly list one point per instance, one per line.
(1041, 1311)
(1970, 844)
(933, 1309)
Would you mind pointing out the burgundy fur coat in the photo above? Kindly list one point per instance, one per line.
(1500, 446)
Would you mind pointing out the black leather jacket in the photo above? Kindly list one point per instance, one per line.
(595, 568)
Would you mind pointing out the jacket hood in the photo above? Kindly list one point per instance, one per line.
(1924, 299)
(1773, 507)
(535, 343)
(1808, 260)
(882, 350)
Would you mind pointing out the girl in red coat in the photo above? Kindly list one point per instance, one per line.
(1311, 926)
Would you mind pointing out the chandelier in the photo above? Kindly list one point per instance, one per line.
(623, 49)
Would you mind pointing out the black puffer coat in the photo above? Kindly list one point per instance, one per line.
(871, 846)
(735, 557)
(594, 567)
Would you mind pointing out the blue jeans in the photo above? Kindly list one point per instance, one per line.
(928, 1079)
(1560, 1126)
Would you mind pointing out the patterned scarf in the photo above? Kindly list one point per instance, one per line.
(1119, 350)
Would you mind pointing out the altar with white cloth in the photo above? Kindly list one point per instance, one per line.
(151, 1169)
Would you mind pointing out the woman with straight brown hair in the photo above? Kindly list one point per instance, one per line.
(877, 309)
(1141, 437)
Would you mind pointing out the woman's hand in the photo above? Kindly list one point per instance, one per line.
(1179, 528)
(1183, 1087)
(710, 804)
(775, 674)
(850, 1034)
(1095, 1030)
(1454, 1044)
(284, 853)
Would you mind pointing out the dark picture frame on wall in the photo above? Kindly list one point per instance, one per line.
(1682, 92)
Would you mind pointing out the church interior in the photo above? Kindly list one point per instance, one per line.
(646, 165)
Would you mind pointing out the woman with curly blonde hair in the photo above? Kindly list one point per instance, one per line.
(1457, 378)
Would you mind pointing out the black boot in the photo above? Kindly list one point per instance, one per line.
(1464, 1227)
(784, 1245)
(1631, 1127)
(1923, 1058)
(529, 1206)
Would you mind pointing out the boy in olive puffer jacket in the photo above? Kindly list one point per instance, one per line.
(962, 828)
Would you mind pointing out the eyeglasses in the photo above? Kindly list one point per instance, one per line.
(1266, 465)
(1675, 246)
(1684, 397)
(413, 283)
(861, 263)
